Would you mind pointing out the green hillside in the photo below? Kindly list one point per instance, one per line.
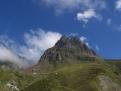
(80, 77)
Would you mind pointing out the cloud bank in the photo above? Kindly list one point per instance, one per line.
(24, 55)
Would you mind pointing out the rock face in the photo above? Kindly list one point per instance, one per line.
(66, 49)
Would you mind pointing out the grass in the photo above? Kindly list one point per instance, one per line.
(77, 77)
(83, 76)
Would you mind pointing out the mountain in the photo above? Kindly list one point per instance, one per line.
(67, 50)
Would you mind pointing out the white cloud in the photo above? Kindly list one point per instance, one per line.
(118, 4)
(8, 55)
(86, 15)
(36, 42)
(41, 39)
(8, 51)
(70, 5)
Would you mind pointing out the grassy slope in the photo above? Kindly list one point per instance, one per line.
(7, 76)
(115, 63)
(77, 77)
(83, 76)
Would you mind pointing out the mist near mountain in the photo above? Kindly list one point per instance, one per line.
(27, 54)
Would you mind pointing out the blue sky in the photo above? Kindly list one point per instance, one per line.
(99, 21)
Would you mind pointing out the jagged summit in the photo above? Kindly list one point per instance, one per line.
(73, 42)
(67, 48)
(68, 42)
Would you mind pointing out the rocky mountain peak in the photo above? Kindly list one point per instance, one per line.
(67, 48)
(68, 42)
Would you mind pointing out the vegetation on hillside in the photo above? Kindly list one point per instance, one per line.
(78, 77)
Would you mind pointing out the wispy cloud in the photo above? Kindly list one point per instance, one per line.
(70, 5)
(83, 9)
(8, 51)
(8, 55)
(87, 15)
(36, 42)
(118, 4)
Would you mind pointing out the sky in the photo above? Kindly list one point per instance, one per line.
(29, 27)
